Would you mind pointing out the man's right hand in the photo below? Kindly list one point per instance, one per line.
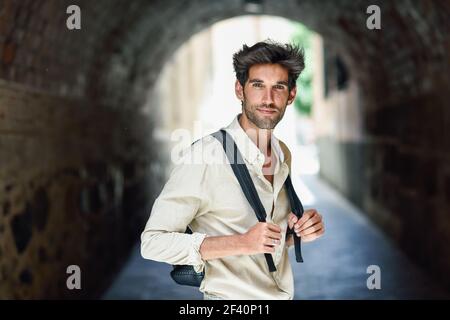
(262, 238)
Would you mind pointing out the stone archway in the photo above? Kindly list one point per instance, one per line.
(79, 175)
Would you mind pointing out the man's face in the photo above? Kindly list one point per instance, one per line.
(265, 95)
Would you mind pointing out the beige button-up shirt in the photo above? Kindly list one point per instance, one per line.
(203, 193)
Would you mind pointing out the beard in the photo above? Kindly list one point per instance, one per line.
(261, 121)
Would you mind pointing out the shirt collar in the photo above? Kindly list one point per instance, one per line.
(248, 148)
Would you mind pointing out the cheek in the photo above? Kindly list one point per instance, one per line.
(253, 97)
(281, 96)
(281, 99)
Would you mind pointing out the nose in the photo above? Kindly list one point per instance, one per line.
(268, 97)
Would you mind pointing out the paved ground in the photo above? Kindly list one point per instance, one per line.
(335, 266)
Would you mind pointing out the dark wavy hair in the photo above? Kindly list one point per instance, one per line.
(291, 57)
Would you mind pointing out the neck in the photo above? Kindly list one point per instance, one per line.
(260, 137)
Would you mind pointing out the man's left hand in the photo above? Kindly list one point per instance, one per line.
(309, 227)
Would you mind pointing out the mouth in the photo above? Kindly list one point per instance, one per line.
(266, 111)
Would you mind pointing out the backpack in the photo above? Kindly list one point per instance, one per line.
(185, 274)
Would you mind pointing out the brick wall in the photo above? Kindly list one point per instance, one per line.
(76, 183)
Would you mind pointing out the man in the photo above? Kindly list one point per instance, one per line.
(228, 243)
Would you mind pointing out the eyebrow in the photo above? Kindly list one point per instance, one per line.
(260, 81)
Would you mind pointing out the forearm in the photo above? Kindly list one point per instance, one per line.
(223, 246)
(171, 247)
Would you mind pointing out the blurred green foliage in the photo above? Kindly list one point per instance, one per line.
(303, 102)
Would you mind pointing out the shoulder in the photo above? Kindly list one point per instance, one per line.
(205, 150)
(207, 141)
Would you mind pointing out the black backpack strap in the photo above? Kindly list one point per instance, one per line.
(243, 176)
(297, 209)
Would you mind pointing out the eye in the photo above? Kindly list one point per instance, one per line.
(257, 85)
(279, 87)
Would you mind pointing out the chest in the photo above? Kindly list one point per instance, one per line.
(269, 167)
(229, 204)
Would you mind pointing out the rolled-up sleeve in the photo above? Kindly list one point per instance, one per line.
(184, 195)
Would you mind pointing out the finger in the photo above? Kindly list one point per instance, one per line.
(310, 230)
(313, 236)
(306, 216)
(292, 219)
(312, 221)
(273, 235)
(269, 249)
(273, 227)
(271, 242)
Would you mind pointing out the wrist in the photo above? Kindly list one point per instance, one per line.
(242, 242)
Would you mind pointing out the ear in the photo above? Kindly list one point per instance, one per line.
(239, 90)
(292, 95)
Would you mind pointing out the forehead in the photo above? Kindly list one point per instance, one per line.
(268, 72)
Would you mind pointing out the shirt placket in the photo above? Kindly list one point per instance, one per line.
(274, 190)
